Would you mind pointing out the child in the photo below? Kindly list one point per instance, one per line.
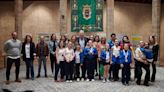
(78, 61)
(148, 53)
(125, 60)
(69, 64)
(60, 61)
(90, 54)
(105, 57)
(115, 60)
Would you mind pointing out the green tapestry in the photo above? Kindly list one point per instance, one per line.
(87, 15)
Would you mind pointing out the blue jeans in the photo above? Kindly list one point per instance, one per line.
(40, 60)
(29, 68)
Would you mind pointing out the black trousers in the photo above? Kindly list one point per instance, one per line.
(126, 73)
(83, 67)
(115, 69)
(154, 71)
(111, 72)
(53, 61)
(77, 72)
(61, 67)
(90, 69)
(9, 65)
(69, 67)
(141, 65)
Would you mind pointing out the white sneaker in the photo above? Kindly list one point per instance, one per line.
(104, 81)
(107, 80)
(78, 80)
(67, 81)
(70, 81)
(82, 79)
(87, 80)
(93, 80)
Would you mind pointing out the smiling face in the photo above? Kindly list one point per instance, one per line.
(126, 46)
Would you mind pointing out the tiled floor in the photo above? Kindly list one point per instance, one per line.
(48, 84)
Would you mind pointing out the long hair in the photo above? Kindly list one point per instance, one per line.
(52, 37)
(25, 40)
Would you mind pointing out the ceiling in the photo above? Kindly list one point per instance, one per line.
(133, 1)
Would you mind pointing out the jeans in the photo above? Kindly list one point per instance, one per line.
(40, 60)
(29, 68)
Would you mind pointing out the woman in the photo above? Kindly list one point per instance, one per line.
(155, 47)
(105, 57)
(64, 39)
(74, 41)
(96, 45)
(28, 52)
(52, 45)
(69, 64)
(101, 46)
(125, 40)
(60, 64)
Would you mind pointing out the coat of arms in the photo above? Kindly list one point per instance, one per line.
(86, 12)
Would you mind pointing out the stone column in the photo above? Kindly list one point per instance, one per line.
(156, 14)
(110, 17)
(18, 17)
(63, 16)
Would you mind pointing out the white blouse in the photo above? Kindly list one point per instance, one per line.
(27, 50)
(77, 56)
(60, 54)
(69, 54)
(116, 51)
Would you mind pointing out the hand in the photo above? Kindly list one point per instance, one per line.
(3, 54)
(132, 65)
(155, 62)
(121, 65)
(99, 59)
(111, 62)
(145, 62)
(81, 64)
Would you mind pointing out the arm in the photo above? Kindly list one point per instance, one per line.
(50, 47)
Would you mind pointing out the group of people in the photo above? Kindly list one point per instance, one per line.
(81, 58)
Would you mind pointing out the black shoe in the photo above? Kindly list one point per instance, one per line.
(138, 83)
(38, 76)
(46, 75)
(146, 84)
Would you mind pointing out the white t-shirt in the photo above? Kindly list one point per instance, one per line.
(27, 50)
(69, 54)
(60, 55)
(77, 56)
(116, 51)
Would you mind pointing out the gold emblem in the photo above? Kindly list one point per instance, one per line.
(86, 12)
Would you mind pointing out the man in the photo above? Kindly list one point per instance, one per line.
(141, 62)
(12, 49)
(83, 42)
(111, 44)
(42, 53)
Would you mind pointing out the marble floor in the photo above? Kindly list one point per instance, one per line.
(48, 85)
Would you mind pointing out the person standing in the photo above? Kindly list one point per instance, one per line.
(60, 64)
(12, 48)
(69, 64)
(126, 61)
(52, 45)
(90, 54)
(82, 40)
(28, 52)
(78, 61)
(141, 62)
(105, 57)
(111, 44)
(115, 60)
(42, 54)
(155, 48)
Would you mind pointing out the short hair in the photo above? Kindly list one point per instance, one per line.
(113, 34)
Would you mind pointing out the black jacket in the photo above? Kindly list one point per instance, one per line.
(32, 51)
